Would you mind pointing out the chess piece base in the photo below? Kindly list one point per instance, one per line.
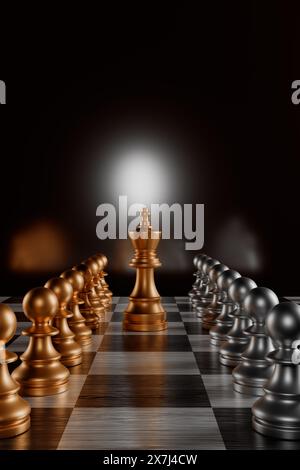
(200, 309)
(40, 390)
(93, 325)
(219, 332)
(141, 321)
(231, 354)
(208, 321)
(83, 334)
(216, 341)
(248, 390)
(15, 411)
(69, 350)
(15, 428)
(229, 360)
(91, 319)
(201, 302)
(236, 344)
(277, 412)
(106, 303)
(278, 432)
(83, 340)
(71, 361)
(147, 326)
(41, 372)
(209, 317)
(252, 374)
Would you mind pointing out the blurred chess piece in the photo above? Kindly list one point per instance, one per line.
(104, 297)
(41, 372)
(64, 341)
(14, 410)
(144, 311)
(224, 321)
(95, 298)
(92, 320)
(205, 294)
(83, 334)
(203, 286)
(103, 274)
(215, 307)
(198, 274)
(87, 307)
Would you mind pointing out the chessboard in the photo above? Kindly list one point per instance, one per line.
(164, 390)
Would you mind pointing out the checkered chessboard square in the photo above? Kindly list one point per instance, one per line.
(164, 390)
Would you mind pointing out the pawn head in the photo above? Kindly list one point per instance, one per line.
(92, 265)
(225, 279)
(75, 278)
(8, 324)
(216, 270)
(240, 288)
(209, 264)
(200, 262)
(40, 305)
(283, 323)
(104, 259)
(84, 270)
(99, 261)
(61, 288)
(197, 258)
(259, 302)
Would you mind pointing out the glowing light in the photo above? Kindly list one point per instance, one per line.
(40, 247)
(141, 175)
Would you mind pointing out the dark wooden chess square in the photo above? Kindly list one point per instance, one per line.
(195, 328)
(209, 363)
(162, 342)
(149, 391)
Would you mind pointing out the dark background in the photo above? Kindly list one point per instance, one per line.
(209, 84)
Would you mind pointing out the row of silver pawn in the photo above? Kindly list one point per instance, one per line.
(258, 337)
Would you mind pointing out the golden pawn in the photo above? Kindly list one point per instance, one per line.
(41, 372)
(144, 311)
(64, 342)
(105, 298)
(104, 284)
(92, 320)
(97, 301)
(83, 334)
(14, 410)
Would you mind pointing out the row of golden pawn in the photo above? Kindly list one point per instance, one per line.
(63, 314)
